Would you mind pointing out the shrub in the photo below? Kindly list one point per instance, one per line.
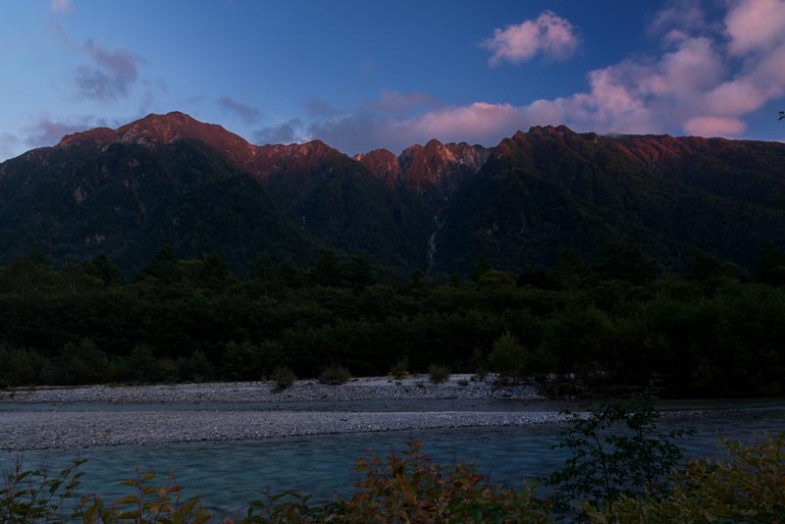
(143, 364)
(616, 451)
(149, 503)
(39, 496)
(401, 369)
(240, 361)
(283, 378)
(335, 376)
(748, 486)
(83, 363)
(438, 373)
(25, 367)
(508, 357)
(197, 367)
(479, 364)
(411, 488)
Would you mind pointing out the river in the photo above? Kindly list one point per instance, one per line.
(230, 474)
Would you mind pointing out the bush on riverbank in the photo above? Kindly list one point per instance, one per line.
(438, 373)
(283, 378)
(335, 376)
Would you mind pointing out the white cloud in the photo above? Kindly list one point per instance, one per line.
(549, 35)
(755, 25)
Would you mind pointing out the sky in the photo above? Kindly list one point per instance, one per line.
(364, 74)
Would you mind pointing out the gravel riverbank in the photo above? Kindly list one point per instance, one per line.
(368, 388)
(103, 424)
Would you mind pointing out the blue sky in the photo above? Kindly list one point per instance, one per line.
(366, 74)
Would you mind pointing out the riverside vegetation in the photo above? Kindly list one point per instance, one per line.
(620, 470)
(613, 326)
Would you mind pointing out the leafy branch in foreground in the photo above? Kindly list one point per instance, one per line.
(149, 503)
(37, 495)
(747, 486)
(410, 487)
(616, 451)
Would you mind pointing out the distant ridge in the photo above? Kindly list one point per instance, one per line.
(172, 180)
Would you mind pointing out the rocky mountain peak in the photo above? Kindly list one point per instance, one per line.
(154, 130)
(435, 161)
(418, 166)
(98, 137)
(383, 164)
(157, 130)
(279, 157)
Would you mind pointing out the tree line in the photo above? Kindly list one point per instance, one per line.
(613, 326)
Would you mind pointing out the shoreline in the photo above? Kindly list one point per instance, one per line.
(458, 386)
(53, 428)
(80, 430)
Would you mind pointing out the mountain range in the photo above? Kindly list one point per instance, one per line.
(172, 180)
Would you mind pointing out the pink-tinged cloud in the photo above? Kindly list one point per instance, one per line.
(474, 122)
(735, 97)
(679, 15)
(110, 76)
(696, 85)
(61, 6)
(755, 25)
(693, 66)
(549, 35)
(714, 126)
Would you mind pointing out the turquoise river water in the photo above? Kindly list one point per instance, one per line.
(230, 474)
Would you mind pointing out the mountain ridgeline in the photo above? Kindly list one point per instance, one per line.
(441, 208)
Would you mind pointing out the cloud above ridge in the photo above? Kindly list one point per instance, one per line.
(245, 112)
(549, 35)
(110, 75)
(707, 76)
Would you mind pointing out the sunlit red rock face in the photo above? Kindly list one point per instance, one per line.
(417, 168)
(383, 164)
(433, 165)
(155, 130)
(278, 158)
